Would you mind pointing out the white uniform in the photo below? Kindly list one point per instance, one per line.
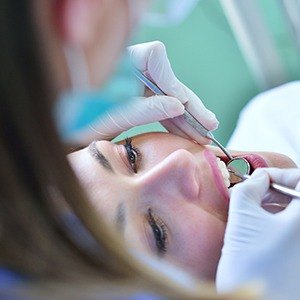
(271, 122)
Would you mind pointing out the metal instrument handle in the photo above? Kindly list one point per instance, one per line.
(277, 187)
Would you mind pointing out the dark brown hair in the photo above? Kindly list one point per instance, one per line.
(33, 167)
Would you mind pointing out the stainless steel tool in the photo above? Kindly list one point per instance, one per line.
(239, 164)
(274, 186)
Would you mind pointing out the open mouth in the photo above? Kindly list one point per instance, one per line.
(255, 161)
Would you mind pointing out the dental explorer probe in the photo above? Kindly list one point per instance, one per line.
(274, 186)
(186, 115)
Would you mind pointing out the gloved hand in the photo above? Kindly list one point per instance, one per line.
(258, 245)
(151, 58)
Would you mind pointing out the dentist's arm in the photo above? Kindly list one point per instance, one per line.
(151, 58)
(258, 245)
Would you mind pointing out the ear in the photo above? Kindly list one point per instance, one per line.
(77, 19)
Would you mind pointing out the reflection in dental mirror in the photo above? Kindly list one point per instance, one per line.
(240, 166)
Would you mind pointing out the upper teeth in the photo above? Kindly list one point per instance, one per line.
(224, 171)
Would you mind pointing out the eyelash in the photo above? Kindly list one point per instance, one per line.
(159, 232)
(133, 154)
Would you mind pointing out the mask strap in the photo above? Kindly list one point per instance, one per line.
(78, 69)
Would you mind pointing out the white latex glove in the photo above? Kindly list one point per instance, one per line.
(258, 245)
(151, 58)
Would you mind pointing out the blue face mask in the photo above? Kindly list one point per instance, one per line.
(78, 108)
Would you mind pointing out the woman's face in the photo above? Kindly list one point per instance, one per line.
(166, 195)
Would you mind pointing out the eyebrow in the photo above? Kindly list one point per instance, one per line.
(95, 152)
(120, 217)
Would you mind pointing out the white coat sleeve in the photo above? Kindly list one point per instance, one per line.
(271, 122)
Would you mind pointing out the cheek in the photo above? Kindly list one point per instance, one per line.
(203, 241)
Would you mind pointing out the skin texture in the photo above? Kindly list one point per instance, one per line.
(173, 185)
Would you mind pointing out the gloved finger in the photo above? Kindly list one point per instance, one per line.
(152, 59)
(196, 107)
(157, 108)
(291, 214)
(246, 217)
(251, 191)
(274, 201)
(137, 112)
(292, 211)
(288, 177)
(179, 127)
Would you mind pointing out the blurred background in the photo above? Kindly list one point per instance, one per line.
(227, 51)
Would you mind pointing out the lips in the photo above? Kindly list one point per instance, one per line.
(255, 161)
(217, 175)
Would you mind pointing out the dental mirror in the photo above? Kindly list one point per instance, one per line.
(238, 165)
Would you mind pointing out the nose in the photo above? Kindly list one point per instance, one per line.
(176, 175)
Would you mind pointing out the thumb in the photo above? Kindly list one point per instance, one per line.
(289, 177)
(251, 191)
(158, 108)
(246, 218)
(139, 111)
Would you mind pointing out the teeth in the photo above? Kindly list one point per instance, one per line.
(224, 172)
